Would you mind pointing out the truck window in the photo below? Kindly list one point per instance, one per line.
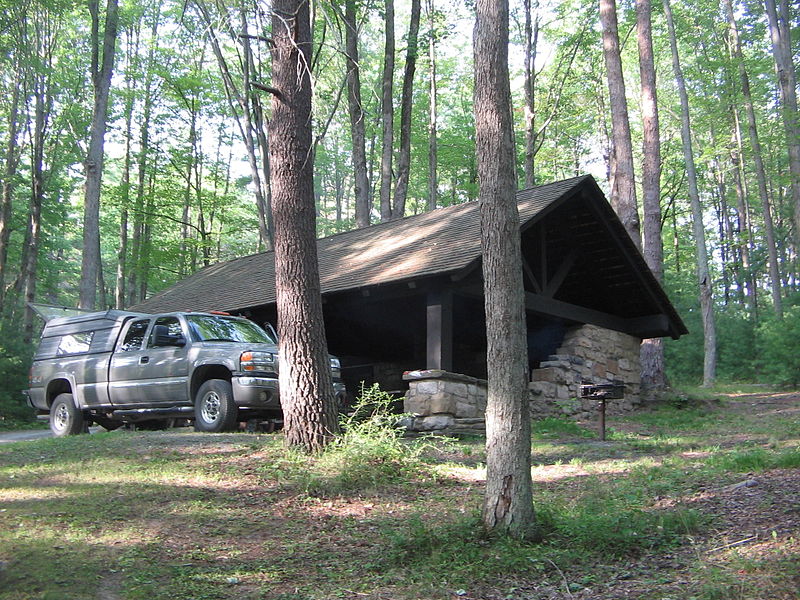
(173, 328)
(135, 336)
(75, 343)
(207, 328)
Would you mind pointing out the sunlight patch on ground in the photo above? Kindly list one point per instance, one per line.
(472, 475)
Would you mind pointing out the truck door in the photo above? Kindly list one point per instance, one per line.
(167, 368)
(127, 365)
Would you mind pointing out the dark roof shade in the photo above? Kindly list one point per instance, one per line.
(446, 240)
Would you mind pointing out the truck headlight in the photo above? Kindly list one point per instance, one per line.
(256, 361)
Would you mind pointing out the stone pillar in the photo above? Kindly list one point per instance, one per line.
(443, 402)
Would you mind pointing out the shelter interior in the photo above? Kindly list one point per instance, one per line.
(575, 271)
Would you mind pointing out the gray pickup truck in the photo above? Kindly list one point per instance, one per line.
(117, 367)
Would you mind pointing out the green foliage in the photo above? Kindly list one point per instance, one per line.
(609, 526)
(15, 362)
(778, 344)
(370, 452)
(553, 427)
(756, 459)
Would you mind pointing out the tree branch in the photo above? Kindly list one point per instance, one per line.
(265, 88)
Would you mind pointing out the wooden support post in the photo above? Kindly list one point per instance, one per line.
(440, 330)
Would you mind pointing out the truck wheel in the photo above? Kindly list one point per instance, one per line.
(66, 418)
(214, 409)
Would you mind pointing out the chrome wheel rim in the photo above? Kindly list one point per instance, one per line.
(209, 409)
(61, 417)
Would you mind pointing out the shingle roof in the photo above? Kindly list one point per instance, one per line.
(436, 242)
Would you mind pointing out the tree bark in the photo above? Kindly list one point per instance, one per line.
(703, 277)
(780, 34)
(433, 151)
(306, 386)
(357, 117)
(508, 505)
(652, 350)
(102, 67)
(387, 113)
(623, 185)
(758, 160)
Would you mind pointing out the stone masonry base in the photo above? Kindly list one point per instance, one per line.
(450, 403)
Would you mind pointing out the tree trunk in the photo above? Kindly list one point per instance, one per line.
(305, 378)
(246, 113)
(404, 153)
(508, 505)
(433, 151)
(146, 243)
(758, 160)
(357, 117)
(255, 135)
(529, 85)
(30, 254)
(122, 251)
(780, 35)
(623, 185)
(9, 175)
(652, 350)
(744, 237)
(387, 113)
(703, 277)
(102, 67)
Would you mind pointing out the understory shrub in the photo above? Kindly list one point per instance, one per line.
(371, 450)
(15, 362)
(779, 348)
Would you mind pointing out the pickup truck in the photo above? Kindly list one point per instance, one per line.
(118, 367)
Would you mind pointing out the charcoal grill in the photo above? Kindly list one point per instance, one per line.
(602, 392)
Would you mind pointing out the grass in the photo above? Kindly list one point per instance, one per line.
(178, 514)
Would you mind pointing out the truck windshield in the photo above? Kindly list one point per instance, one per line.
(208, 328)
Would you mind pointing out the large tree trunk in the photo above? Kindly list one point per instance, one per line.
(780, 33)
(508, 505)
(102, 66)
(758, 160)
(404, 153)
(357, 117)
(652, 350)
(703, 277)
(306, 386)
(433, 151)
(387, 113)
(623, 185)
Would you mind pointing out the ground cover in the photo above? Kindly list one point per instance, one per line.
(698, 499)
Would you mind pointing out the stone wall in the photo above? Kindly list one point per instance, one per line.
(451, 403)
(587, 354)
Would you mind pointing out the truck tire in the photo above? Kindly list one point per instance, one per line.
(66, 418)
(214, 408)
